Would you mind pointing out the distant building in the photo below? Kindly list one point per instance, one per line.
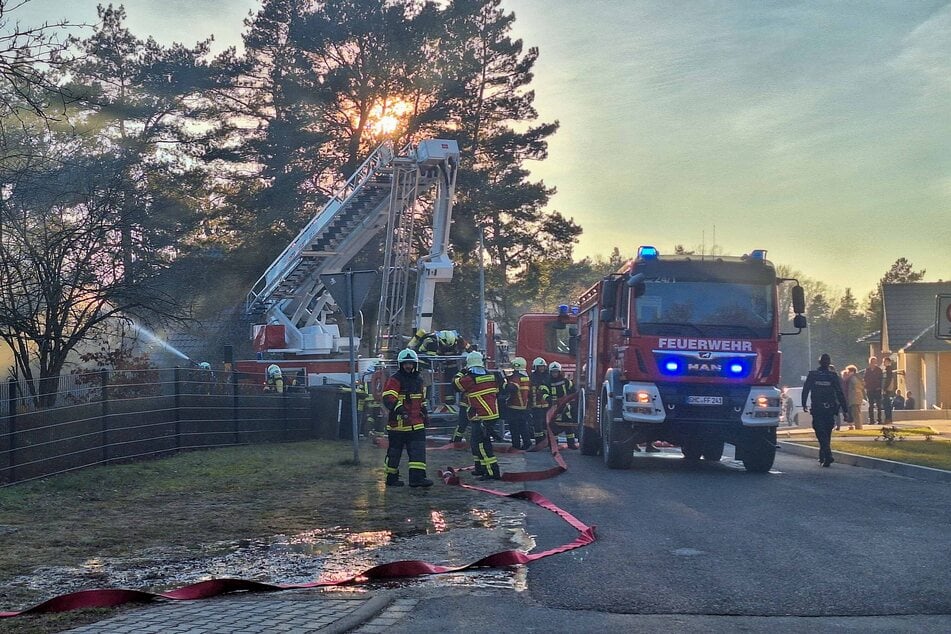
(907, 335)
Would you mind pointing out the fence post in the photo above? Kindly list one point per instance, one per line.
(236, 419)
(12, 405)
(104, 384)
(285, 398)
(178, 404)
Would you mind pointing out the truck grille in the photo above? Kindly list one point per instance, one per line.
(734, 399)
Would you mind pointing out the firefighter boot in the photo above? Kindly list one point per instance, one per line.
(419, 479)
(571, 441)
(393, 480)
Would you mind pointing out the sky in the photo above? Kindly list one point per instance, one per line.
(819, 131)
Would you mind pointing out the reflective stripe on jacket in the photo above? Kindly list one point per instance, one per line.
(406, 390)
(538, 392)
(518, 397)
(482, 393)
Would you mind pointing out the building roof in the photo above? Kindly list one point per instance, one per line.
(909, 313)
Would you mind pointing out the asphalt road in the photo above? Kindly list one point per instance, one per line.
(713, 548)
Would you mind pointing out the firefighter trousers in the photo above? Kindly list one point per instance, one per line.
(520, 426)
(414, 442)
(486, 464)
(539, 425)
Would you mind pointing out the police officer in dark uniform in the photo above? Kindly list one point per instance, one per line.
(827, 398)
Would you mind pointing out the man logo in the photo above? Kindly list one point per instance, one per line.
(705, 355)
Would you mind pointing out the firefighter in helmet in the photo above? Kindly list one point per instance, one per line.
(206, 378)
(516, 412)
(443, 343)
(275, 379)
(560, 386)
(481, 388)
(404, 397)
(538, 397)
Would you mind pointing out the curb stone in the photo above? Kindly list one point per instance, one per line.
(898, 468)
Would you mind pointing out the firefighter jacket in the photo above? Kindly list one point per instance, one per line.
(481, 392)
(538, 390)
(558, 388)
(405, 397)
(463, 400)
(429, 345)
(518, 387)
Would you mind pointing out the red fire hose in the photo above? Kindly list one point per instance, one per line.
(106, 598)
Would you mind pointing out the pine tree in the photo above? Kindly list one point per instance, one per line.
(899, 272)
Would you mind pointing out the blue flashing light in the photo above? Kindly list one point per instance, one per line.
(563, 309)
(736, 368)
(647, 253)
(758, 254)
(671, 366)
(575, 310)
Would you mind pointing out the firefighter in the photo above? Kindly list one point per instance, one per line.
(462, 416)
(441, 343)
(275, 379)
(481, 388)
(517, 415)
(560, 386)
(827, 398)
(404, 396)
(538, 397)
(207, 378)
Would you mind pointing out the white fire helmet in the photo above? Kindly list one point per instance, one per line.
(554, 366)
(274, 371)
(538, 364)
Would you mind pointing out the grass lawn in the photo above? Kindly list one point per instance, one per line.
(935, 453)
(184, 502)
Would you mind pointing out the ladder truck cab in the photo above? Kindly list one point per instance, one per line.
(683, 349)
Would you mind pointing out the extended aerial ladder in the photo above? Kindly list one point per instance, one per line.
(382, 194)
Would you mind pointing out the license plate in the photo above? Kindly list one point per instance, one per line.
(704, 400)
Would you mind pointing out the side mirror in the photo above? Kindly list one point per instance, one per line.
(798, 300)
(799, 321)
(606, 314)
(636, 282)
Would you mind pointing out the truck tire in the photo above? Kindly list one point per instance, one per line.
(759, 451)
(588, 439)
(617, 453)
(691, 449)
(713, 450)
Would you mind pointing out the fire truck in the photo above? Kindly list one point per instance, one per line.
(681, 348)
(297, 318)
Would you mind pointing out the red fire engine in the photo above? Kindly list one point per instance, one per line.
(683, 349)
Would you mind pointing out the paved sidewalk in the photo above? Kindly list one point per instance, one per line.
(299, 612)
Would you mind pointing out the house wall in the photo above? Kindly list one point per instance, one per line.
(911, 366)
(944, 380)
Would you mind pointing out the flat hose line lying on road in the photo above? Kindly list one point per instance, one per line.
(112, 597)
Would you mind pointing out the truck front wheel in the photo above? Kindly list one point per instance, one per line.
(617, 442)
(759, 450)
(588, 439)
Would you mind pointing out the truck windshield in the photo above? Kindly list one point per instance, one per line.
(708, 309)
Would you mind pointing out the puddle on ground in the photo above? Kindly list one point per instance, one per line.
(448, 539)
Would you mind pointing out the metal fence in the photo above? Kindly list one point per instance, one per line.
(107, 418)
